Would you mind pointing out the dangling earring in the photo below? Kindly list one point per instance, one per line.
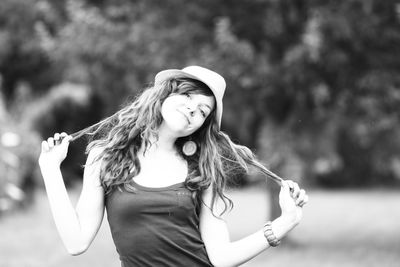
(189, 148)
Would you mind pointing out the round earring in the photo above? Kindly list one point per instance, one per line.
(189, 148)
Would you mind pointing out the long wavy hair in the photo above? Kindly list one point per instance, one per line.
(121, 135)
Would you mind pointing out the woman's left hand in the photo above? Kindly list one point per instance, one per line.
(291, 200)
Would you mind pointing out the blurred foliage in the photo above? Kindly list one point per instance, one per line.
(18, 146)
(314, 84)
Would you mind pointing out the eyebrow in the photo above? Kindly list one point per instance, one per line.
(207, 106)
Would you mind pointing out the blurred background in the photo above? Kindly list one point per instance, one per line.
(313, 89)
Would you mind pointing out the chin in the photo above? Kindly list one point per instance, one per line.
(185, 132)
(179, 128)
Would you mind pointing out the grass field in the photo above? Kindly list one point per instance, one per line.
(339, 228)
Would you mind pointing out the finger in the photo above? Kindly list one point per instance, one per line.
(285, 190)
(302, 200)
(45, 146)
(57, 138)
(50, 142)
(294, 188)
(285, 186)
(289, 183)
(66, 139)
(63, 135)
(306, 198)
(301, 196)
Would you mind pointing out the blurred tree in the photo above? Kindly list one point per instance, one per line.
(313, 85)
(322, 78)
(17, 162)
(21, 56)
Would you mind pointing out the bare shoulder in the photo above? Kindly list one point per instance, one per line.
(216, 207)
(94, 154)
(93, 166)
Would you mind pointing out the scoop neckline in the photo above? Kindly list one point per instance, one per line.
(163, 188)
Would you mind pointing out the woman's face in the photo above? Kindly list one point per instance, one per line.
(185, 113)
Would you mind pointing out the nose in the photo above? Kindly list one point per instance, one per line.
(191, 108)
(191, 112)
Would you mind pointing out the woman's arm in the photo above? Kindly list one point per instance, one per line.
(223, 252)
(77, 227)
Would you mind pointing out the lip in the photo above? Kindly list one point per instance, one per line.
(184, 116)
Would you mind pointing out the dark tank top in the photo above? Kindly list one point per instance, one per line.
(156, 227)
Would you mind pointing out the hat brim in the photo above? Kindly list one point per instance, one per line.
(174, 73)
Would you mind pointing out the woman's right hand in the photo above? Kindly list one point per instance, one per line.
(55, 149)
(291, 200)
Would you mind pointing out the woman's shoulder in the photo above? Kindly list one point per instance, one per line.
(93, 166)
(94, 155)
(95, 152)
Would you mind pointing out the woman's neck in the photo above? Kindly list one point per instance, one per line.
(164, 146)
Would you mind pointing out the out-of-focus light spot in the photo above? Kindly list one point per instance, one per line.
(322, 166)
(398, 10)
(395, 166)
(14, 192)
(9, 139)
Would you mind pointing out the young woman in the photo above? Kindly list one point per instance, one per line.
(159, 166)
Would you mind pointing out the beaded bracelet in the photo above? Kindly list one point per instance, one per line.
(269, 235)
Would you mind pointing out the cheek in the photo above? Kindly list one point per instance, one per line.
(172, 102)
(167, 106)
(170, 115)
